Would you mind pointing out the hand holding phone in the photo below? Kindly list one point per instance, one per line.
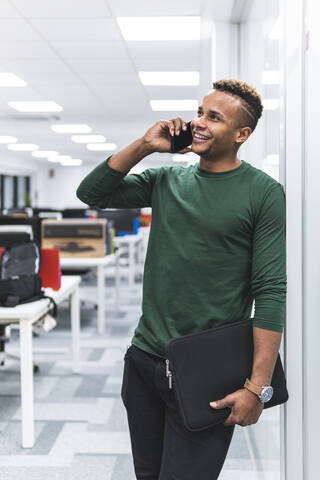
(181, 141)
(159, 137)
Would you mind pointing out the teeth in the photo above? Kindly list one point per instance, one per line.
(200, 136)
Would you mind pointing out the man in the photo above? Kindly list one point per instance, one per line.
(217, 242)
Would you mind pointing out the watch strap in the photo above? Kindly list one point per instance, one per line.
(252, 387)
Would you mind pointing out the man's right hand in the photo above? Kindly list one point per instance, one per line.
(158, 136)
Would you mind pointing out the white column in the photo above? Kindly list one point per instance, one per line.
(27, 395)
(75, 330)
(311, 243)
(294, 171)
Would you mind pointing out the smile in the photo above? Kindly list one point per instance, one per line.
(199, 138)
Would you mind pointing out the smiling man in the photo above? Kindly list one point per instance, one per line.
(217, 242)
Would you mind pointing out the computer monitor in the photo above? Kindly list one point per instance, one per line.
(35, 222)
(74, 213)
(123, 218)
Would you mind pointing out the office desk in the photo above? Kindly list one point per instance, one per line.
(27, 314)
(132, 241)
(98, 263)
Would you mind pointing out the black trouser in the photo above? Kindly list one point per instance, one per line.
(162, 448)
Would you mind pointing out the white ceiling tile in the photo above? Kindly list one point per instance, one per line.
(145, 8)
(20, 94)
(171, 93)
(62, 8)
(16, 29)
(7, 10)
(111, 78)
(165, 64)
(101, 65)
(90, 50)
(78, 30)
(33, 51)
(50, 79)
(21, 66)
(164, 50)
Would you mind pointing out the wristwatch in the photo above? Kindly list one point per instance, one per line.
(264, 393)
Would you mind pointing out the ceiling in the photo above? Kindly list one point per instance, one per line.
(73, 52)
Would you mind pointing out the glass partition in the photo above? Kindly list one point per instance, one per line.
(260, 64)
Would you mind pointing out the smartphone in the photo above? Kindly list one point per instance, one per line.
(181, 141)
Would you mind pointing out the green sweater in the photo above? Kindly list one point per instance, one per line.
(217, 242)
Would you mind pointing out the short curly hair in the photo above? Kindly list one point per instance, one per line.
(251, 102)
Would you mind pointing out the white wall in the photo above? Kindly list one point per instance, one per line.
(311, 242)
(60, 190)
(11, 165)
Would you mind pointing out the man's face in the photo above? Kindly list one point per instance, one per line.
(217, 121)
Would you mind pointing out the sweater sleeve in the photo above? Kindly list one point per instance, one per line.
(105, 187)
(269, 280)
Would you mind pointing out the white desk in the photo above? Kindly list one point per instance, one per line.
(132, 241)
(27, 314)
(98, 263)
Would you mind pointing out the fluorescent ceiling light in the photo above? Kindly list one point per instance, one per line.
(71, 128)
(174, 105)
(46, 106)
(8, 79)
(276, 30)
(101, 147)
(271, 77)
(88, 138)
(72, 162)
(169, 78)
(160, 28)
(271, 103)
(44, 153)
(23, 147)
(7, 139)
(58, 158)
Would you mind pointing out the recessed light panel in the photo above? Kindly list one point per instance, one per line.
(23, 147)
(160, 28)
(169, 78)
(58, 158)
(71, 128)
(271, 103)
(72, 162)
(8, 139)
(88, 138)
(44, 153)
(8, 79)
(174, 105)
(271, 77)
(46, 106)
(101, 147)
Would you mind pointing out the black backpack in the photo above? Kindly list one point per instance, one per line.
(19, 275)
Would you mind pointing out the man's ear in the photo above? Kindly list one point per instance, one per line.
(243, 134)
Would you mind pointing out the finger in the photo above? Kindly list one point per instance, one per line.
(182, 123)
(171, 127)
(185, 150)
(224, 402)
(177, 126)
(229, 421)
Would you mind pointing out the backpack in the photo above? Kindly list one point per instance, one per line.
(19, 275)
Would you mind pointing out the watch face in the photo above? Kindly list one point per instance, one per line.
(266, 394)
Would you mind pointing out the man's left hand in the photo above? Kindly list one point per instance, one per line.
(246, 407)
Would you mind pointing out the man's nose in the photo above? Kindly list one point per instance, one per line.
(198, 122)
